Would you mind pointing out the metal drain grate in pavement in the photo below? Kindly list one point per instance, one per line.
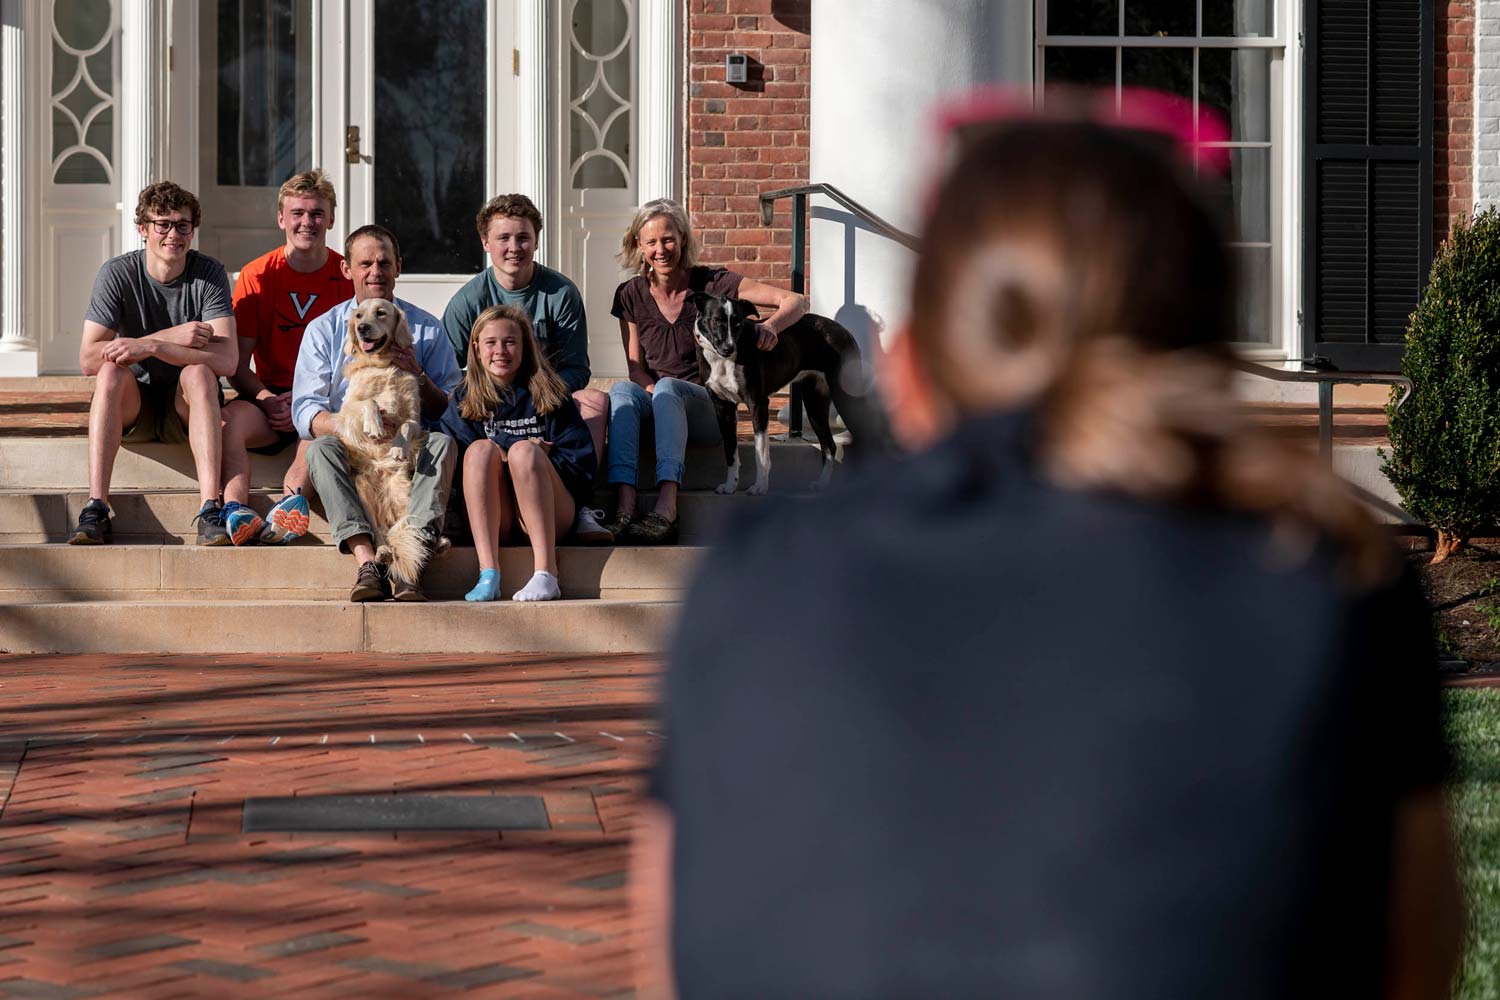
(350, 813)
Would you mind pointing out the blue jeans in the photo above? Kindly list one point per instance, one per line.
(681, 413)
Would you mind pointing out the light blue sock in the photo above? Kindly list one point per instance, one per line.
(488, 587)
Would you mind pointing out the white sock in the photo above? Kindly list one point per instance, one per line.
(541, 587)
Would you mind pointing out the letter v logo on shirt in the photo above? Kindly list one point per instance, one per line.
(300, 306)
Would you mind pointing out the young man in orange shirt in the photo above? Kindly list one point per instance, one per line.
(276, 296)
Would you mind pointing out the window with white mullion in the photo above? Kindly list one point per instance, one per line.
(1130, 42)
(1167, 21)
(1219, 56)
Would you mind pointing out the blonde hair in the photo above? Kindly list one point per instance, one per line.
(308, 184)
(483, 393)
(1078, 270)
(630, 256)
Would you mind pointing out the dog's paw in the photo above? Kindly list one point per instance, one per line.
(385, 555)
(726, 488)
(759, 489)
(441, 545)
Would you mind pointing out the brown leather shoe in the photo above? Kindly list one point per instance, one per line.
(653, 529)
(371, 583)
(618, 525)
(404, 590)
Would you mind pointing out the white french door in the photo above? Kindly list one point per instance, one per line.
(595, 176)
(419, 110)
(253, 107)
(420, 113)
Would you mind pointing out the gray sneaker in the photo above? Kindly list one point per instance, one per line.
(210, 521)
(94, 524)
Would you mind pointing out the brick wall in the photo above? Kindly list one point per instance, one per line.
(750, 137)
(1453, 116)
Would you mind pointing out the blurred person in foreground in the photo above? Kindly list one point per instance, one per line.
(1099, 692)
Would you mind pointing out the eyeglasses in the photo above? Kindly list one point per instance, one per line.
(165, 226)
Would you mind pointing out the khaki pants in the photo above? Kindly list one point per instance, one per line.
(328, 467)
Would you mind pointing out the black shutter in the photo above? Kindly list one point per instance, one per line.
(1367, 204)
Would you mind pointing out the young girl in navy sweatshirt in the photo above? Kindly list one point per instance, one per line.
(528, 456)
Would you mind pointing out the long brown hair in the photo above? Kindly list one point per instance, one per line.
(483, 393)
(1078, 269)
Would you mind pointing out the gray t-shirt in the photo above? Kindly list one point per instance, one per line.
(133, 304)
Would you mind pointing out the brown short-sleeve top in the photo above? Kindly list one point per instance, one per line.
(670, 349)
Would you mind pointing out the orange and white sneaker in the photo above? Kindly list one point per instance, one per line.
(242, 523)
(286, 521)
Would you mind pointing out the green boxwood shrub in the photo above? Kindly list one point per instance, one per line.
(1445, 440)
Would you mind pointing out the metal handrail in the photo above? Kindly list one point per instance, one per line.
(875, 222)
(799, 196)
(1326, 378)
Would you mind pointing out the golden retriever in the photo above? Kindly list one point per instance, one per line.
(380, 425)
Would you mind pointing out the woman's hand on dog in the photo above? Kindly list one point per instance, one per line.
(765, 338)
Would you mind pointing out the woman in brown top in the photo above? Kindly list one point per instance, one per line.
(665, 393)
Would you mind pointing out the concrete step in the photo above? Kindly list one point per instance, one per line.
(140, 573)
(164, 517)
(216, 626)
(61, 464)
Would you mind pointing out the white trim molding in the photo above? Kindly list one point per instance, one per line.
(1486, 186)
(143, 86)
(657, 107)
(532, 177)
(18, 346)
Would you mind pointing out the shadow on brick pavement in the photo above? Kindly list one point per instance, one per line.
(124, 868)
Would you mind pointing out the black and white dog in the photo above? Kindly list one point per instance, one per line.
(815, 350)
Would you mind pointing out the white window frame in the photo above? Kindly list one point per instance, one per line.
(1285, 141)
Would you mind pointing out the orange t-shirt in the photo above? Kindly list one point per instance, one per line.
(274, 304)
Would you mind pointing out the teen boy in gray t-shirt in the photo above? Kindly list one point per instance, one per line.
(158, 333)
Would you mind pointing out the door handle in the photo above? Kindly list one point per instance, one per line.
(351, 144)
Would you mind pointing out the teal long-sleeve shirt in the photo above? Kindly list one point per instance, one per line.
(556, 310)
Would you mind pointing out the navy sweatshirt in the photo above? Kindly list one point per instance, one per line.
(516, 419)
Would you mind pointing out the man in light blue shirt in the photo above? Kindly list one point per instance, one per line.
(372, 261)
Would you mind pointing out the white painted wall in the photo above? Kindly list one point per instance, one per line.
(1486, 103)
(878, 67)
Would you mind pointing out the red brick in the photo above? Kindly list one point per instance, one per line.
(748, 137)
(764, 124)
(1452, 114)
(466, 880)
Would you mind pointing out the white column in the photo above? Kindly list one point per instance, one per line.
(878, 67)
(532, 178)
(14, 335)
(657, 106)
(1486, 103)
(143, 45)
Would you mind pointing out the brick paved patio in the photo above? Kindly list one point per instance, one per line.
(123, 869)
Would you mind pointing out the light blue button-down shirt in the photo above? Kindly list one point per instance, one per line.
(318, 384)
